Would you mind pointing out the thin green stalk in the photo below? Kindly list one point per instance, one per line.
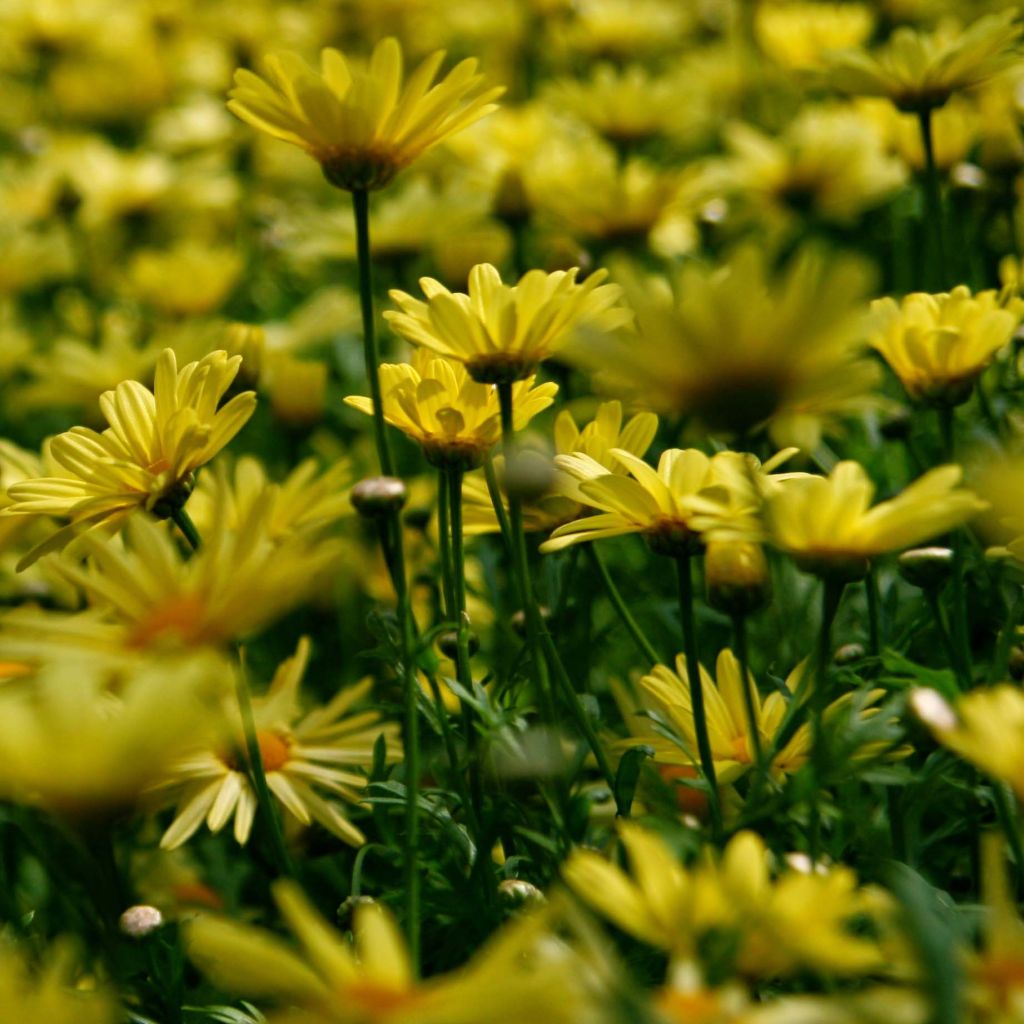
(183, 521)
(1001, 655)
(411, 742)
(959, 624)
(445, 534)
(948, 647)
(874, 615)
(257, 773)
(361, 210)
(933, 197)
(700, 722)
(832, 594)
(739, 630)
(632, 627)
(1006, 811)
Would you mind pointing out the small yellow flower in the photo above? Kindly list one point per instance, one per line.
(597, 439)
(938, 345)
(523, 973)
(306, 758)
(828, 526)
(190, 279)
(147, 456)
(919, 71)
(360, 122)
(800, 35)
(738, 345)
(455, 419)
(51, 996)
(501, 331)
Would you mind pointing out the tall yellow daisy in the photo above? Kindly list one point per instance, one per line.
(362, 123)
(310, 761)
(502, 331)
(147, 456)
(455, 419)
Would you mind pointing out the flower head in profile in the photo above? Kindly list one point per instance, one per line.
(938, 345)
(740, 345)
(311, 762)
(362, 123)
(828, 525)
(597, 439)
(672, 507)
(502, 331)
(147, 456)
(455, 419)
(920, 71)
(523, 973)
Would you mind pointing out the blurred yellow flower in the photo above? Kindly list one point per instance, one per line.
(800, 35)
(147, 456)
(50, 995)
(190, 279)
(360, 122)
(523, 974)
(919, 71)
(828, 526)
(938, 345)
(306, 758)
(455, 419)
(501, 331)
(240, 580)
(84, 740)
(738, 345)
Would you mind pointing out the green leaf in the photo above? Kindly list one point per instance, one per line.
(627, 777)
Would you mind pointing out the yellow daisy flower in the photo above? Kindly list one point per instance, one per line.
(605, 432)
(938, 345)
(305, 759)
(524, 973)
(83, 740)
(238, 582)
(361, 123)
(147, 456)
(455, 419)
(740, 344)
(800, 35)
(919, 71)
(501, 331)
(29, 995)
(689, 494)
(828, 526)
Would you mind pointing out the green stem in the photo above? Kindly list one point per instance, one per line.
(445, 535)
(411, 741)
(257, 772)
(832, 594)
(643, 644)
(1001, 655)
(933, 197)
(184, 523)
(874, 616)
(361, 209)
(1006, 812)
(739, 628)
(961, 644)
(700, 721)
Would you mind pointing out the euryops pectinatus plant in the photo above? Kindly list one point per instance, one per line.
(511, 511)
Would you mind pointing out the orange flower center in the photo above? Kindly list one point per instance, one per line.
(741, 750)
(274, 750)
(691, 1007)
(378, 999)
(182, 617)
(160, 466)
(689, 800)
(14, 669)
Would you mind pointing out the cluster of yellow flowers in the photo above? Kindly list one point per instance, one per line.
(716, 315)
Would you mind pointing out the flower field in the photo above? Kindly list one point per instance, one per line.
(511, 512)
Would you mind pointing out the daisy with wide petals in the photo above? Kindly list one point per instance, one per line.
(307, 759)
(502, 331)
(362, 123)
(147, 456)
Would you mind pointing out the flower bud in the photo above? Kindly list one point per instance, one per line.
(519, 619)
(927, 568)
(377, 495)
(1016, 665)
(737, 578)
(347, 909)
(848, 653)
(528, 475)
(516, 893)
(139, 921)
